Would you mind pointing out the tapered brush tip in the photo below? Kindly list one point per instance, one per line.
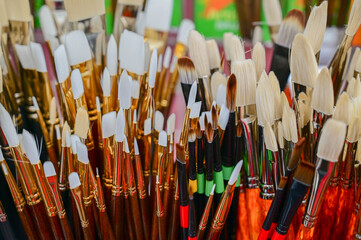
(109, 124)
(147, 126)
(49, 169)
(180, 154)
(221, 97)
(273, 12)
(231, 92)
(74, 180)
(227, 37)
(235, 173)
(291, 25)
(195, 110)
(186, 70)
(237, 53)
(124, 90)
(112, 56)
(82, 151)
(296, 154)
(223, 117)
(167, 56)
(153, 68)
(25, 57)
(74, 140)
(217, 79)
(126, 146)
(192, 95)
(66, 129)
(198, 53)
(209, 132)
(136, 148)
(354, 129)
(8, 127)
(77, 84)
(259, 58)
(47, 23)
(135, 88)
(38, 56)
(106, 83)
(304, 173)
(162, 140)
(213, 54)
(30, 147)
(354, 19)
(52, 111)
(185, 27)
(81, 126)
(342, 109)
(270, 138)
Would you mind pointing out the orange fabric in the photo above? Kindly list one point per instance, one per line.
(242, 221)
(297, 219)
(327, 213)
(352, 227)
(305, 233)
(254, 212)
(291, 233)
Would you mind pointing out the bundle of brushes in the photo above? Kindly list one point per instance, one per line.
(95, 153)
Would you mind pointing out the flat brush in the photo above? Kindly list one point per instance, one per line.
(159, 212)
(185, 127)
(183, 192)
(209, 155)
(205, 215)
(300, 184)
(273, 15)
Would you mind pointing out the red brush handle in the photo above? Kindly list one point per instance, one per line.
(263, 234)
(25, 218)
(117, 216)
(272, 230)
(277, 236)
(192, 238)
(41, 222)
(184, 219)
(55, 227)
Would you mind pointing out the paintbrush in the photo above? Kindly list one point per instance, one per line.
(187, 75)
(329, 149)
(272, 159)
(192, 230)
(22, 209)
(237, 50)
(48, 27)
(124, 97)
(273, 15)
(190, 102)
(354, 87)
(219, 89)
(209, 155)
(5, 227)
(183, 192)
(112, 65)
(205, 215)
(50, 175)
(66, 159)
(159, 211)
(221, 213)
(192, 160)
(227, 47)
(160, 84)
(175, 209)
(292, 24)
(107, 87)
(259, 59)
(214, 57)
(222, 122)
(145, 153)
(200, 169)
(185, 27)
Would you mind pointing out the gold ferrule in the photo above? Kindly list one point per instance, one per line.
(25, 175)
(28, 80)
(20, 32)
(81, 102)
(205, 90)
(348, 160)
(184, 132)
(144, 107)
(147, 140)
(108, 159)
(156, 39)
(44, 128)
(223, 208)
(83, 172)
(180, 50)
(77, 195)
(63, 169)
(130, 175)
(3, 216)
(159, 204)
(100, 131)
(117, 187)
(205, 216)
(66, 95)
(162, 159)
(53, 186)
(13, 187)
(100, 197)
(159, 85)
(107, 104)
(44, 191)
(142, 192)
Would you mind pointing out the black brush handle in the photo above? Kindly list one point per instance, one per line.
(280, 64)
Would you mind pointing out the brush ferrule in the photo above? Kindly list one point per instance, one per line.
(157, 39)
(130, 176)
(57, 199)
(84, 179)
(77, 195)
(185, 127)
(204, 89)
(206, 212)
(142, 192)
(117, 188)
(162, 156)
(249, 153)
(223, 208)
(267, 191)
(108, 159)
(348, 160)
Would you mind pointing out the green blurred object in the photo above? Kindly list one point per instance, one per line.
(37, 6)
(295, 4)
(109, 16)
(177, 13)
(214, 17)
(265, 31)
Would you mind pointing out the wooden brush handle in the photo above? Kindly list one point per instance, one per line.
(55, 227)
(213, 234)
(138, 227)
(6, 230)
(76, 221)
(65, 226)
(117, 216)
(166, 202)
(254, 209)
(29, 228)
(88, 233)
(90, 216)
(128, 219)
(154, 233)
(144, 208)
(174, 221)
(161, 228)
(105, 227)
(53, 158)
(40, 221)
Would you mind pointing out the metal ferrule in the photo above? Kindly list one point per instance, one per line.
(318, 120)
(323, 173)
(207, 210)
(100, 131)
(57, 198)
(144, 99)
(223, 208)
(107, 104)
(157, 39)
(252, 168)
(117, 187)
(162, 156)
(348, 164)
(132, 187)
(204, 88)
(83, 172)
(25, 176)
(159, 205)
(184, 133)
(155, 154)
(176, 186)
(147, 155)
(142, 192)
(78, 197)
(267, 183)
(159, 86)
(63, 169)
(108, 162)
(99, 196)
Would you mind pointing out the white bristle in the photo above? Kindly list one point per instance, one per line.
(1, 155)
(112, 56)
(221, 94)
(20, 136)
(192, 95)
(354, 129)
(146, 55)
(322, 96)
(357, 62)
(25, 56)
(214, 57)
(354, 87)
(139, 25)
(74, 139)
(108, 124)
(259, 59)
(82, 153)
(331, 140)
(131, 52)
(57, 132)
(270, 138)
(135, 116)
(30, 148)
(272, 12)
(160, 61)
(19, 10)
(277, 94)
(342, 109)
(235, 173)
(195, 110)
(54, 44)
(227, 37)
(201, 121)
(354, 19)
(52, 111)
(257, 35)
(303, 63)
(217, 79)
(158, 15)
(136, 148)
(106, 83)
(280, 139)
(147, 126)
(35, 103)
(162, 140)
(209, 116)
(47, 23)
(74, 180)
(158, 121)
(245, 72)
(119, 127)
(126, 146)
(223, 117)
(167, 56)
(174, 63)
(124, 90)
(135, 89)
(213, 188)
(316, 26)
(77, 47)
(171, 124)
(265, 101)
(4, 20)
(185, 27)
(97, 103)
(198, 53)
(67, 139)
(77, 84)
(49, 169)
(83, 9)
(237, 53)
(153, 68)
(61, 64)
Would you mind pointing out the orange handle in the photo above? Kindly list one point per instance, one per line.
(254, 212)
(305, 233)
(242, 221)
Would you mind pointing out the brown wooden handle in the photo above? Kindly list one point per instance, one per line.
(137, 221)
(117, 215)
(105, 227)
(161, 228)
(53, 158)
(128, 219)
(76, 221)
(144, 208)
(56, 228)
(88, 233)
(154, 234)
(65, 226)
(90, 216)
(29, 228)
(40, 221)
(174, 221)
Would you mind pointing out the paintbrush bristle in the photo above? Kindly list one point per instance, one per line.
(185, 27)
(52, 111)
(195, 110)
(173, 64)
(214, 57)
(83, 9)
(237, 52)
(167, 57)
(223, 117)
(354, 19)
(209, 132)
(227, 37)
(354, 129)
(259, 59)
(47, 22)
(57, 132)
(49, 169)
(147, 126)
(272, 12)
(231, 93)
(112, 56)
(191, 135)
(106, 83)
(305, 112)
(234, 176)
(277, 94)
(322, 96)
(356, 61)
(160, 61)
(124, 90)
(289, 124)
(303, 63)
(61, 64)
(332, 139)
(304, 173)
(265, 101)
(131, 52)
(201, 121)
(245, 73)
(77, 84)
(74, 180)
(19, 10)
(139, 26)
(269, 138)
(198, 53)
(38, 56)
(158, 121)
(109, 124)
(119, 126)
(77, 47)
(65, 129)
(158, 15)
(214, 117)
(284, 100)
(171, 124)
(135, 88)
(146, 56)
(342, 109)
(25, 57)
(74, 140)
(82, 151)
(187, 71)
(316, 26)
(280, 139)
(180, 154)
(162, 139)
(217, 79)
(153, 68)
(8, 127)
(199, 130)
(291, 25)
(221, 94)
(81, 126)
(296, 154)
(257, 35)
(53, 44)
(354, 87)
(30, 147)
